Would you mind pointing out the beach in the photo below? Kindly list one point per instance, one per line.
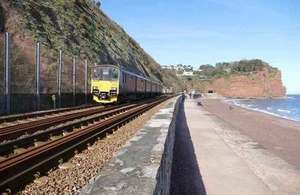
(277, 135)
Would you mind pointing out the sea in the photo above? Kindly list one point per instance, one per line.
(287, 107)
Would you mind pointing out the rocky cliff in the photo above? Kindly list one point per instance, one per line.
(261, 84)
(253, 78)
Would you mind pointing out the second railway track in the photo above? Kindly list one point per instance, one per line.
(7, 148)
(16, 117)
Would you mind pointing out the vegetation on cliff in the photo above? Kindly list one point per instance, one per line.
(225, 69)
(79, 28)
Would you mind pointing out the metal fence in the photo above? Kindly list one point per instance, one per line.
(2, 83)
(34, 78)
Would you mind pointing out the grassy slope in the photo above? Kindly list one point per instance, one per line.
(79, 28)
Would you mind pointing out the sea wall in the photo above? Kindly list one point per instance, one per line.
(163, 183)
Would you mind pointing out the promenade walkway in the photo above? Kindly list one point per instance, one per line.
(204, 163)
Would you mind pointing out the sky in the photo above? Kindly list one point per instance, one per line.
(199, 32)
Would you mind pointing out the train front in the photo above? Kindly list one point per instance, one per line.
(105, 84)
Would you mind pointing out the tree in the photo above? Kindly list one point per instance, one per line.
(206, 67)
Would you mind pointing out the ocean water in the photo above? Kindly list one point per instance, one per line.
(288, 107)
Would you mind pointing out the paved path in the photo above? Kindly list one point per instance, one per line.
(211, 157)
(223, 172)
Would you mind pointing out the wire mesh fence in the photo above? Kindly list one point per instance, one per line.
(80, 80)
(22, 77)
(48, 78)
(60, 77)
(66, 81)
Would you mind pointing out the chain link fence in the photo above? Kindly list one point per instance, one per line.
(48, 78)
(35, 65)
(80, 80)
(22, 77)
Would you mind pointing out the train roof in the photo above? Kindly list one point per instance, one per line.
(128, 72)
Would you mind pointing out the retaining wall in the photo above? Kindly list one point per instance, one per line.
(163, 181)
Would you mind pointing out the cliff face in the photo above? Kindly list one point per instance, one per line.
(262, 84)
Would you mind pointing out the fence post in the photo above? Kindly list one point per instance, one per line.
(74, 81)
(86, 80)
(7, 66)
(59, 72)
(38, 72)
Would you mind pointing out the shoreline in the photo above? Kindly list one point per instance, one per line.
(230, 101)
(279, 135)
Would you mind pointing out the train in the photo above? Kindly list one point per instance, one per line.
(114, 84)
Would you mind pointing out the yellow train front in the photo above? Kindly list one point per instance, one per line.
(112, 84)
(105, 84)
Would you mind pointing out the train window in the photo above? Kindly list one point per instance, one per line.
(114, 73)
(106, 73)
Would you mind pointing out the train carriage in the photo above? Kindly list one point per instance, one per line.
(148, 88)
(112, 84)
(127, 86)
(140, 87)
(152, 88)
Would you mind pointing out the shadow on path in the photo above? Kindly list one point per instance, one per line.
(186, 177)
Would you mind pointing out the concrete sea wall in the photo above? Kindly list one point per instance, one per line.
(164, 172)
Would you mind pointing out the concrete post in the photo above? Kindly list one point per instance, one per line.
(38, 67)
(86, 80)
(59, 72)
(74, 81)
(7, 65)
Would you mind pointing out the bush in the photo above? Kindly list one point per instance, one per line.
(226, 68)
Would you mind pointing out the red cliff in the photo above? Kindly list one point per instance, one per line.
(262, 84)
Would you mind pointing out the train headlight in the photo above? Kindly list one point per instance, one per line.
(95, 87)
(113, 91)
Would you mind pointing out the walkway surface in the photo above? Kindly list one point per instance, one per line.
(216, 164)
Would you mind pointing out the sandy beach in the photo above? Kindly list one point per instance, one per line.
(279, 136)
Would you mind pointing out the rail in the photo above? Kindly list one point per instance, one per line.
(20, 168)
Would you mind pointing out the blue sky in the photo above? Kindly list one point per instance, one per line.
(208, 31)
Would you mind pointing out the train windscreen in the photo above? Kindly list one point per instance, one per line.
(106, 73)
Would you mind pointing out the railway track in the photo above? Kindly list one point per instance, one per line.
(7, 148)
(16, 117)
(17, 130)
(21, 168)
